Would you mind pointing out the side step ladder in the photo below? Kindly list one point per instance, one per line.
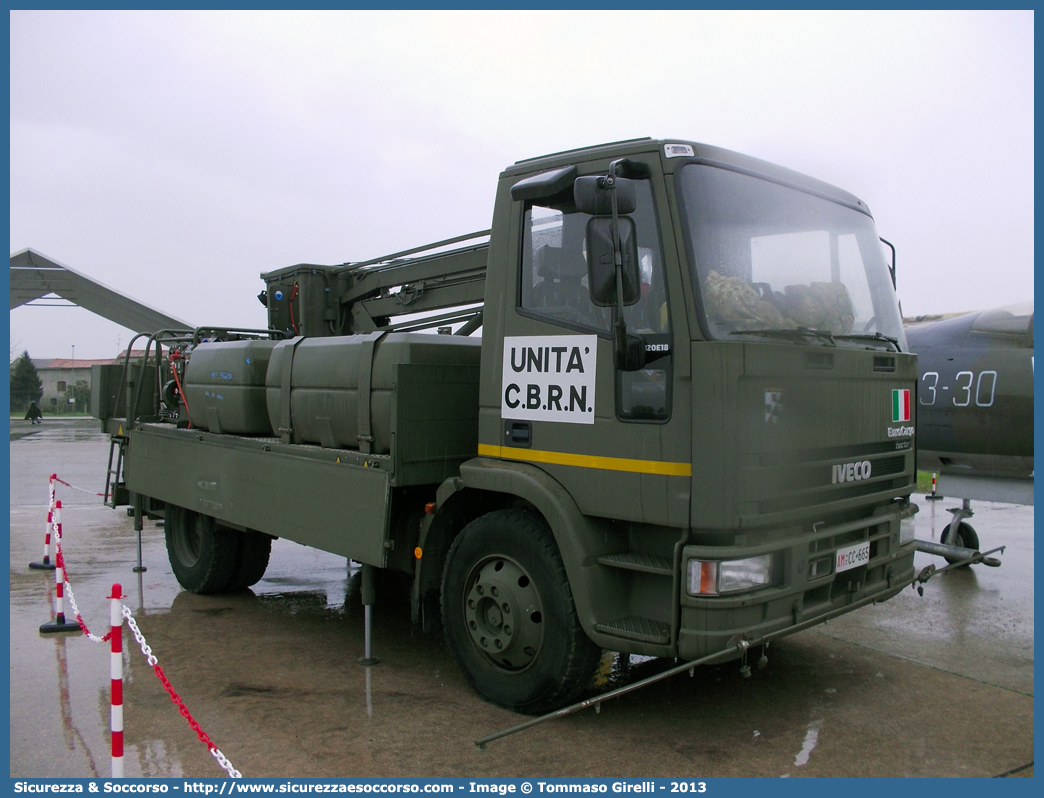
(633, 627)
(116, 493)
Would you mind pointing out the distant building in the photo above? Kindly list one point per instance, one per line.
(59, 377)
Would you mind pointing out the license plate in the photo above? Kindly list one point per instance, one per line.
(852, 557)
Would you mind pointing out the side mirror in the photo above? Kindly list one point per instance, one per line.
(613, 272)
(601, 263)
(593, 195)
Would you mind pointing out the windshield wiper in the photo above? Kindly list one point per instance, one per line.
(795, 333)
(877, 336)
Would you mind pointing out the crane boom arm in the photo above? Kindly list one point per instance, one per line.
(401, 291)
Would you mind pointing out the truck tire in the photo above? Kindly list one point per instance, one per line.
(509, 616)
(202, 554)
(252, 559)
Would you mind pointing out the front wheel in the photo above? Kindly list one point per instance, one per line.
(509, 616)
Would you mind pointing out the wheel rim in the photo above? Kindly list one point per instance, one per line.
(188, 541)
(958, 538)
(503, 614)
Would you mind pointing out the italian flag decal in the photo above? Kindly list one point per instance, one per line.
(900, 404)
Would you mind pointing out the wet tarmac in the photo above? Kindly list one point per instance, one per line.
(932, 685)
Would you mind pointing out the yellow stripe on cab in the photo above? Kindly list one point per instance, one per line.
(660, 467)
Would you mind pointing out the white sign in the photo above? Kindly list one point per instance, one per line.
(549, 378)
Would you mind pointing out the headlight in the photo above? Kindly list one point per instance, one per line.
(711, 577)
(906, 531)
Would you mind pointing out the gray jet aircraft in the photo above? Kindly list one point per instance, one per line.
(975, 408)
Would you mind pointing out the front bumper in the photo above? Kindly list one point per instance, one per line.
(805, 584)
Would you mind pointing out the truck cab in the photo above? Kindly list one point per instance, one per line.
(703, 497)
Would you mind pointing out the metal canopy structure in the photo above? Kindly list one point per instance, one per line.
(34, 276)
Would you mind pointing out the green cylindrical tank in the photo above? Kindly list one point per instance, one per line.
(224, 386)
(324, 383)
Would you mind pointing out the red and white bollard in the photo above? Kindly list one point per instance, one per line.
(46, 564)
(59, 624)
(933, 496)
(116, 672)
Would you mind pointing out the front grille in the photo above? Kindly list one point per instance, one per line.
(822, 551)
(775, 482)
(851, 452)
(795, 501)
(848, 581)
(822, 361)
(884, 363)
(816, 476)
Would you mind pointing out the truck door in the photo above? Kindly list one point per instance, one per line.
(617, 440)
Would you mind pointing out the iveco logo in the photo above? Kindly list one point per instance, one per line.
(851, 472)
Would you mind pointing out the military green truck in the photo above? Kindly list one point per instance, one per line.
(686, 425)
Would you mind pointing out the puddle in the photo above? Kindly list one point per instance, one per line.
(811, 739)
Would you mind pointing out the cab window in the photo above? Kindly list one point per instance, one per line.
(554, 288)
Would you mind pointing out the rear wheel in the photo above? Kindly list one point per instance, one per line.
(202, 554)
(509, 615)
(251, 560)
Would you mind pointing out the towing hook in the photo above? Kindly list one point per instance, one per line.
(744, 667)
(925, 574)
(993, 562)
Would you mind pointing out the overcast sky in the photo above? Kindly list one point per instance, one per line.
(175, 156)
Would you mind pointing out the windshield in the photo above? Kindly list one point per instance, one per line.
(770, 259)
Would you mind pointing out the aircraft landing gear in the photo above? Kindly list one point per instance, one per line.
(959, 533)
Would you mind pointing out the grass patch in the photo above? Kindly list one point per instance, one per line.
(924, 481)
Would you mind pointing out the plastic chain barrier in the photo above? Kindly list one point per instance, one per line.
(52, 521)
(59, 624)
(120, 611)
(68, 589)
(58, 479)
(46, 564)
(174, 697)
